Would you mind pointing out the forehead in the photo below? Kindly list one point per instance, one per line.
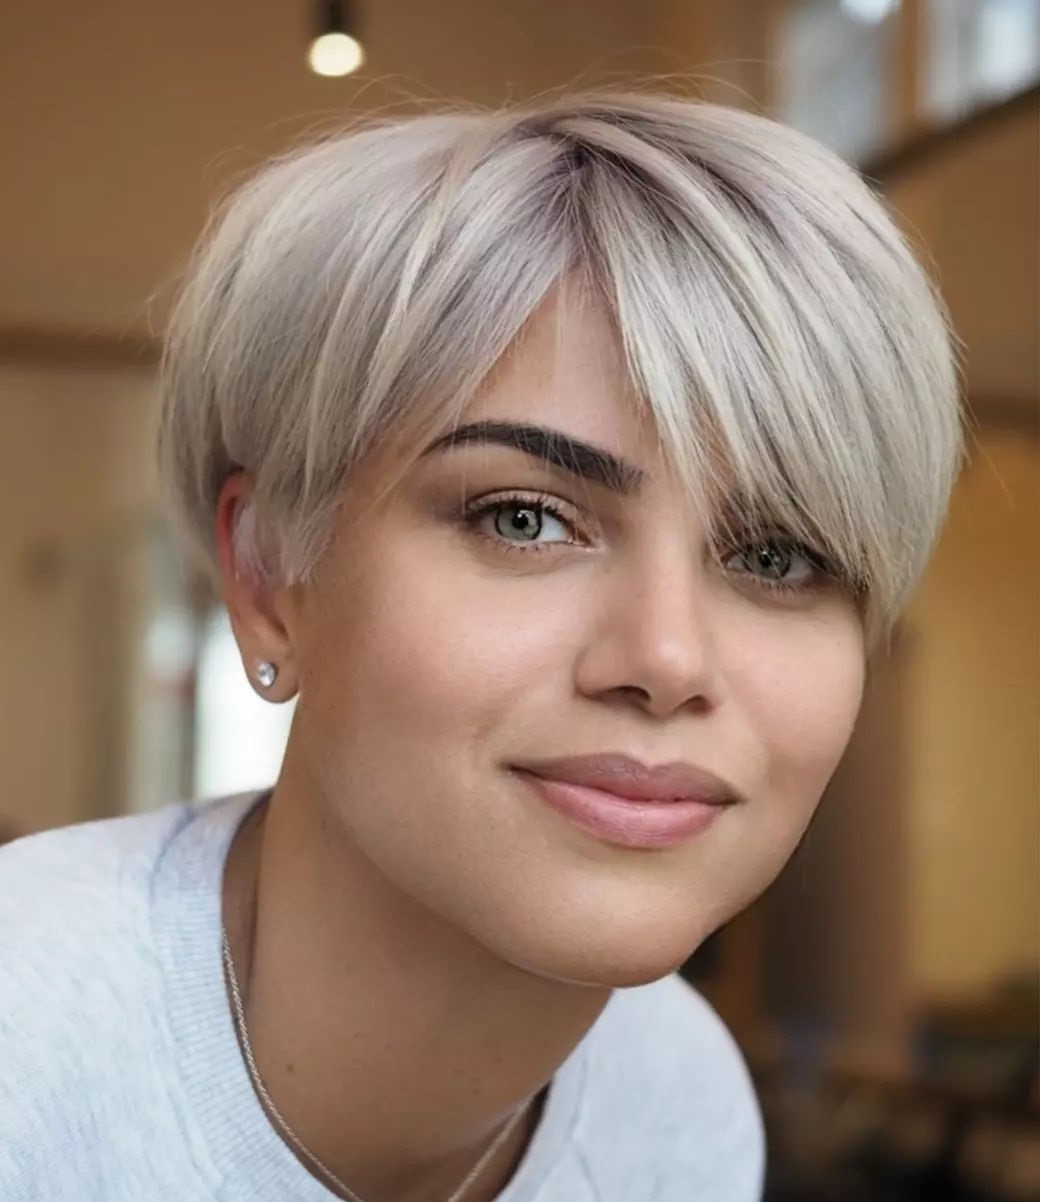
(567, 371)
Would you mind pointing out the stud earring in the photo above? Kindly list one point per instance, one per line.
(266, 674)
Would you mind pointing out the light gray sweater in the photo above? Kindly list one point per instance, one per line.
(121, 1079)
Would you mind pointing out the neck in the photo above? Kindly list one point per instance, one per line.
(393, 1044)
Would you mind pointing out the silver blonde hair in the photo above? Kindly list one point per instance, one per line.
(789, 348)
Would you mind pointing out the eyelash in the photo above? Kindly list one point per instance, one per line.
(542, 503)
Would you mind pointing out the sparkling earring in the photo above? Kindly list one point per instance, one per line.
(266, 674)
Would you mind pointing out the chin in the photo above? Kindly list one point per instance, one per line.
(610, 955)
(617, 972)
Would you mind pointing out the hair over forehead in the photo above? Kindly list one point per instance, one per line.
(775, 324)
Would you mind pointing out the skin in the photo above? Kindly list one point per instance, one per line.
(421, 940)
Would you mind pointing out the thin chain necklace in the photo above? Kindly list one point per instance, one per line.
(287, 1131)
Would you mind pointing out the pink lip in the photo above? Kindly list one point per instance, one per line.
(657, 807)
(629, 778)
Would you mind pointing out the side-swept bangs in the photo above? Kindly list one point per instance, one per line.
(790, 350)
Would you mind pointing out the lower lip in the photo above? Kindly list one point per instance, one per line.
(622, 821)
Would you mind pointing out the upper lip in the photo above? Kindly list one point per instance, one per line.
(629, 778)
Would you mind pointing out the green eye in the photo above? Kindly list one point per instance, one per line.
(771, 560)
(524, 522)
(519, 522)
(777, 563)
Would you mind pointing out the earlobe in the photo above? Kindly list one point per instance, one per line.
(261, 634)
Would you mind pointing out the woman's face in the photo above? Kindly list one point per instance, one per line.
(497, 610)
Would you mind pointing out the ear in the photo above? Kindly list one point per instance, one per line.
(252, 600)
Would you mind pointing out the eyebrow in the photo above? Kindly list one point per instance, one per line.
(552, 446)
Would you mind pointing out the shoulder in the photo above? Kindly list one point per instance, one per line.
(85, 1041)
(57, 886)
(74, 943)
(76, 971)
(671, 1085)
(74, 916)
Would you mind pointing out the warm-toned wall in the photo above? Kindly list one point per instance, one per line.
(974, 712)
(974, 202)
(723, 51)
(76, 482)
(974, 705)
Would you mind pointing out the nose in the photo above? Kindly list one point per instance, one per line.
(653, 642)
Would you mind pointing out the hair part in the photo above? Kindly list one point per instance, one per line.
(777, 328)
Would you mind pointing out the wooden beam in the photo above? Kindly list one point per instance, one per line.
(905, 116)
(57, 347)
(940, 139)
(1020, 415)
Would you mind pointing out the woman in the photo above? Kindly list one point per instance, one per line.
(566, 463)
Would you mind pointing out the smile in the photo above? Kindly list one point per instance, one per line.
(621, 820)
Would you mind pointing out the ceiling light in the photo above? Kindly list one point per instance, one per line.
(335, 50)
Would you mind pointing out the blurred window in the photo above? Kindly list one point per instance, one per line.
(978, 51)
(835, 63)
(160, 682)
(239, 738)
(157, 646)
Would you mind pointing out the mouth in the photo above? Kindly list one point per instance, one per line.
(620, 801)
(628, 778)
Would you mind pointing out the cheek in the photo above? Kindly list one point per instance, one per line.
(795, 694)
(803, 694)
(432, 655)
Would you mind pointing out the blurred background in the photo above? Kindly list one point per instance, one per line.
(885, 990)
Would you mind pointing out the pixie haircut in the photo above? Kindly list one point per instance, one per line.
(790, 351)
